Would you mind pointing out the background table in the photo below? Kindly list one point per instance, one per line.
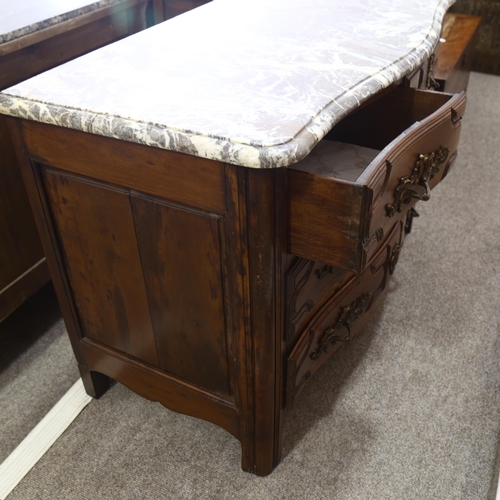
(34, 37)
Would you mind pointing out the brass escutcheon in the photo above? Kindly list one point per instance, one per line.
(426, 167)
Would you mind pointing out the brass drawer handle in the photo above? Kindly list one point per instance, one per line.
(426, 167)
(455, 119)
(348, 315)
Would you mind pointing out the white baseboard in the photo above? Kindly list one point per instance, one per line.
(41, 438)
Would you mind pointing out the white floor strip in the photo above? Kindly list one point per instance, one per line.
(41, 438)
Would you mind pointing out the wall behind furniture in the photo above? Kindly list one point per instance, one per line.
(487, 54)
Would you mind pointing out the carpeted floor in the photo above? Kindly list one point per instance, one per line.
(409, 410)
(36, 367)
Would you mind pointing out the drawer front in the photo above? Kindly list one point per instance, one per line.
(342, 316)
(308, 284)
(343, 223)
(409, 172)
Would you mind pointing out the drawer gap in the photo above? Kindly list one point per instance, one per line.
(378, 123)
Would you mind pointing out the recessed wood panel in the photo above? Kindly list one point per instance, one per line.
(95, 229)
(181, 258)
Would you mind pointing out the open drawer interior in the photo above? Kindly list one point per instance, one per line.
(381, 120)
(354, 143)
(388, 153)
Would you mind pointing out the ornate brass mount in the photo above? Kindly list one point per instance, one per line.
(323, 272)
(348, 315)
(394, 257)
(431, 81)
(412, 213)
(426, 167)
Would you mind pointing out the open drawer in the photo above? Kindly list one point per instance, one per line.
(369, 171)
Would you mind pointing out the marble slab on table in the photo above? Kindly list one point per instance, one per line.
(255, 83)
(22, 17)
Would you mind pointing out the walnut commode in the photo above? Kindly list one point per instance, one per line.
(213, 288)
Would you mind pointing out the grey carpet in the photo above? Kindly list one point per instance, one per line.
(409, 410)
(36, 367)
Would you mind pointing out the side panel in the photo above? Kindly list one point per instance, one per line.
(199, 266)
(95, 228)
(181, 257)
(146, 276)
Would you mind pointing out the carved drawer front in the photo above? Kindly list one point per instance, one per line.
(343, 315)
(370, 171)
(308, 284)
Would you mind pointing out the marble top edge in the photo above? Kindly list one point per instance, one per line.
(253, 154)
(53, 20)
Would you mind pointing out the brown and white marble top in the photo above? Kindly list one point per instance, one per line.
(22, 17)
(255, 83)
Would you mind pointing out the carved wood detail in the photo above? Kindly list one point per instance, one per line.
(348, 315)
(348, 309)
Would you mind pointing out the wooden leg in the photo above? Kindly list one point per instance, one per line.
(266, 242)
(95, 383)
(261, 457)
